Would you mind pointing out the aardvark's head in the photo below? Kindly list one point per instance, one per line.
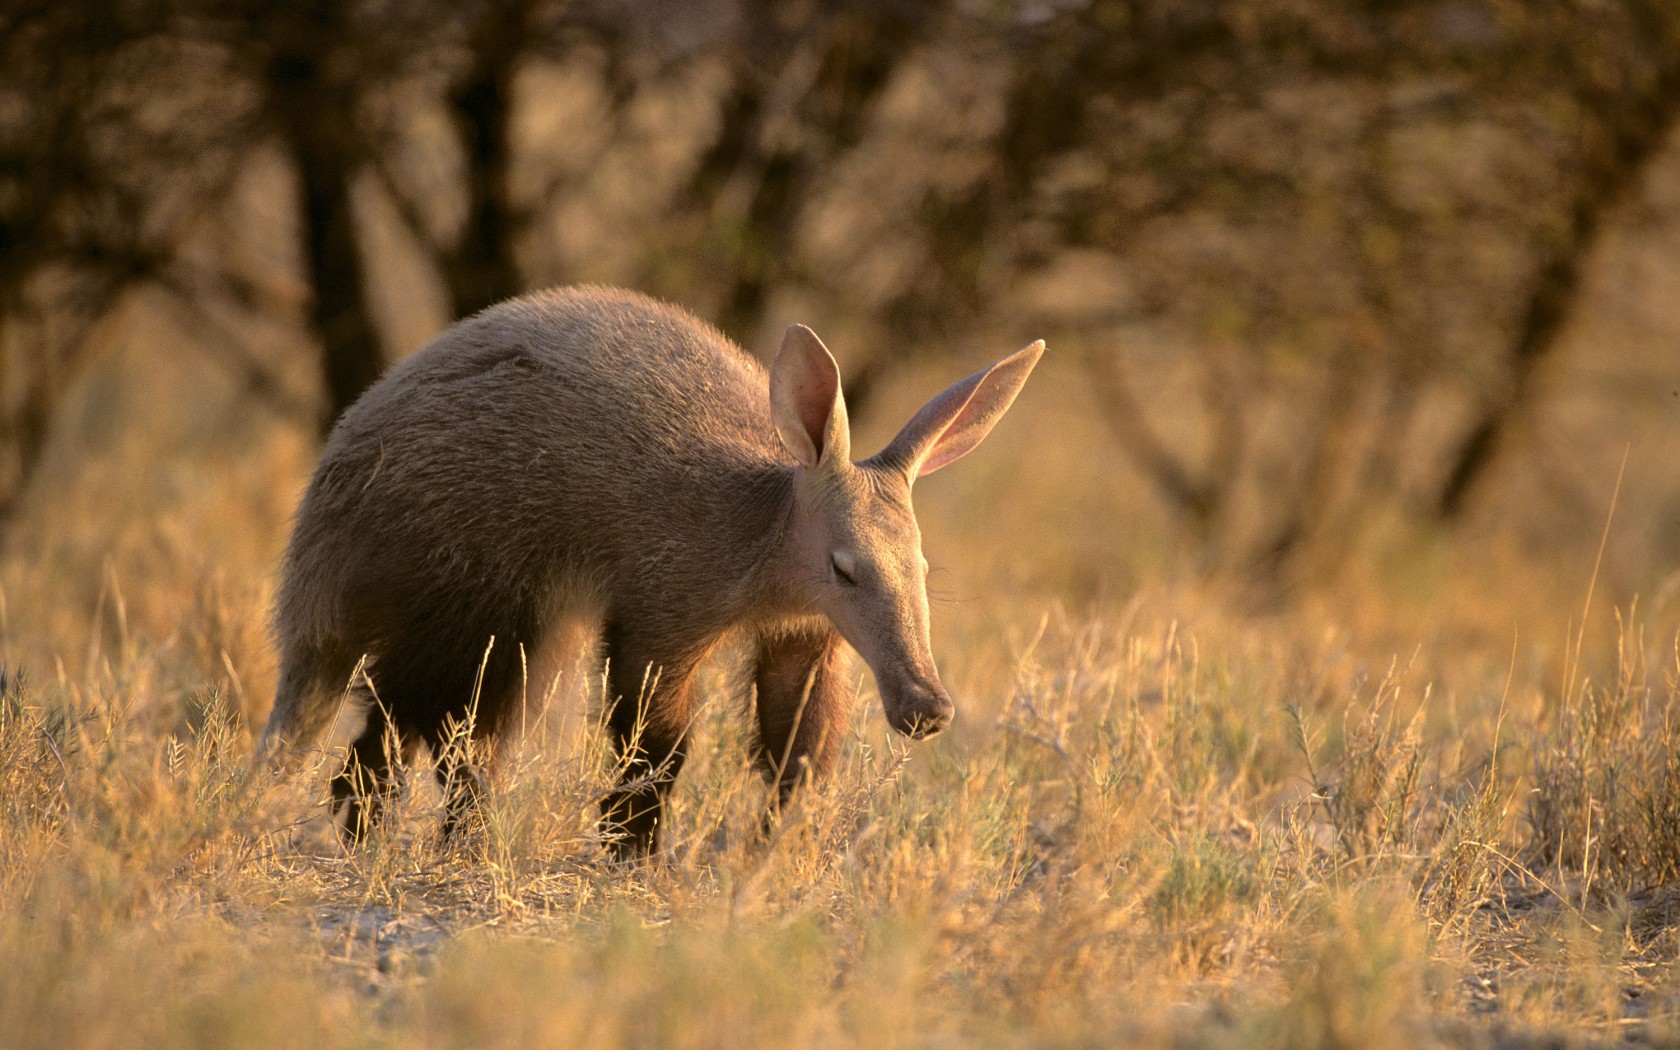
(858, 547)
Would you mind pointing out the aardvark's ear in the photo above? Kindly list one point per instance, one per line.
(805, 400)
(950, 425)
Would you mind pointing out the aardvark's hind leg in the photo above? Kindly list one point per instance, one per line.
(364, 787)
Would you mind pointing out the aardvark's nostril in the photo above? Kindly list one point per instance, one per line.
(922, 726)
(932, 717)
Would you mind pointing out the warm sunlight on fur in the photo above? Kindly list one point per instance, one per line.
(1436, 783)
(416, 444)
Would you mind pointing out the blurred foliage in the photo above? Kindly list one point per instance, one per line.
(1364, 223)
(1305, 264)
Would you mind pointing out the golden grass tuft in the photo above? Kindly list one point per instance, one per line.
(1132, 841)
(1423, 804)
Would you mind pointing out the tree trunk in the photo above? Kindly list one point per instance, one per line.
(1635, 135)
(351, 357)
(26, 426)
(482, 271)
(755, 178)
(315, 124)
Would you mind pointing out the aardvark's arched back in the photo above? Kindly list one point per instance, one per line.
(591, 453)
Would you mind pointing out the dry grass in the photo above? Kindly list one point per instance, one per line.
(1430, 803)
(1157, 827)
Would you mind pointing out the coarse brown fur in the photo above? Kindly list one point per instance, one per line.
(591, 453)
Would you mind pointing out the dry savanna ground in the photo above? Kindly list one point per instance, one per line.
(1432, 801)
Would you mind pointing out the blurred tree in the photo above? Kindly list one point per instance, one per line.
(1614, 70)
(1344, 208)
(479, 268)
(314, 62)
(112, 145)
(463, 207)
(318, 80)
(340, 80)
(1348, 214)
(803, 85)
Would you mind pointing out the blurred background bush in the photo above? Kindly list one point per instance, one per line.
(1335, 291)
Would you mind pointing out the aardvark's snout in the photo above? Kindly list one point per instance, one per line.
(918, 709)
